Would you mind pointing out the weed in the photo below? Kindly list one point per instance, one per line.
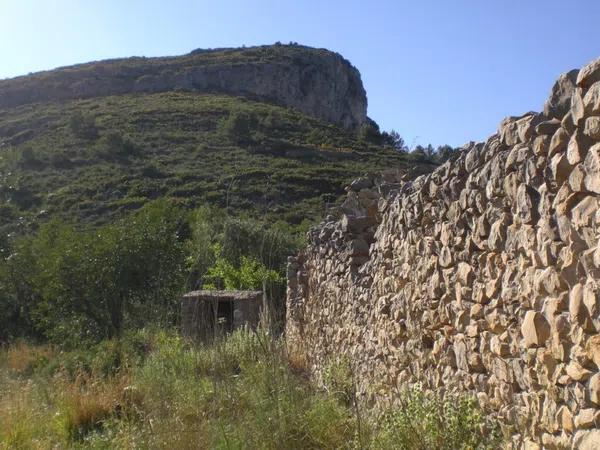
(156, 390)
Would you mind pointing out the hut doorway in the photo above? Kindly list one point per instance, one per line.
(225, 316)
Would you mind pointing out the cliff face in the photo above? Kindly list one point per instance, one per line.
(314, 81)
(481, 277)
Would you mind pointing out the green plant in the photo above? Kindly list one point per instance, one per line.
(338, 379)
(78, 285)
(114, 145)
(83, 125)
(238, 127)
(251, 274)
(239, 392)
(29, 157)
(425, 421)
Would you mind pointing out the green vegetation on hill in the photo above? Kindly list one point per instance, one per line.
(95, 160)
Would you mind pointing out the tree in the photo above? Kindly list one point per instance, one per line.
(89, 285)
(250, 274)
(445, 152)
(236, 238)
(18, 296)
(429, 151)
(238, 127)
(369, 132)
(394, 140)
(419, 152)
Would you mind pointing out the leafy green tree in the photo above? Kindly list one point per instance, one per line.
(251, 274)
(245, 237)
(88, 285)
(18, 296)
(429, 151)
(8, 306)
(418, 153)
(237, 238)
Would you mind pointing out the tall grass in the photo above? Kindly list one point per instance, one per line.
(155, 390)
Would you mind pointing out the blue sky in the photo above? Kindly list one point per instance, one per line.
(439, 71)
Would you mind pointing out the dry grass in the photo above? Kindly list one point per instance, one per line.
(242, 392)
(87, 402)
(21, 358)
(298, 362)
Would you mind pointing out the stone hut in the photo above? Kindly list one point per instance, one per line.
(206, 314)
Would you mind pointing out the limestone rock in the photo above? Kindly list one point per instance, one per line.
(577, 309)
(577, 372)
(592, 127)
(588, 418)
(592, 348)
(594, 389)
(527, 201)
(303, 82)
(548, 127)
(560, 168)
(559, 142)
(591, 167)
(560, 98)
(591, 100)
(577, 108)
(591, 299)
(583, 213)
(589, 74)
(535, 329)
(564, 418)
(577, 147)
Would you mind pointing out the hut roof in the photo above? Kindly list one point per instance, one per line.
(223, 295)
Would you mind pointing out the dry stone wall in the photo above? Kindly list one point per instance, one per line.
(482, 277)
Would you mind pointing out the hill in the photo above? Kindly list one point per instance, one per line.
(315, 81)
(94, 159)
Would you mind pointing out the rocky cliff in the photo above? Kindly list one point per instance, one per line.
(481, 277)
(314, 81)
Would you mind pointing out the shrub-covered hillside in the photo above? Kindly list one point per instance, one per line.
(95, 159)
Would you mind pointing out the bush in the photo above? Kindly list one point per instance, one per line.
(430, 422)
(238, 127)
(250, 274)
(8, 213)
(83, 126)
(29, 157)
(239, 392)
(76, 285)
(114, 145)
